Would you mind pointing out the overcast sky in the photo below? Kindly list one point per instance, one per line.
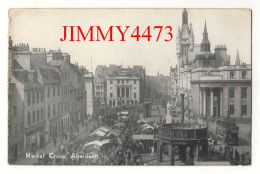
(42, 28)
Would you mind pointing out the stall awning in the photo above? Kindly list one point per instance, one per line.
(142, 137)
(97, 143)
(98, 133)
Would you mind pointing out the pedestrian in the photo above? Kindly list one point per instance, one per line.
(243, 158)
(237, 156)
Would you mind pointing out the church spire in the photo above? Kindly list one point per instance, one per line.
(205, 28)
(205, 45)
(184, 17)
(191, 31)
(205, 34)
(179, 33)
(237, 59)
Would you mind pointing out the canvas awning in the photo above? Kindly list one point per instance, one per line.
(142, 137)
(98, 133)
(97, 143)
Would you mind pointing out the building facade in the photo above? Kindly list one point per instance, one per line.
(46, 95)
(123, 89)
(103, 73)
(212, 85)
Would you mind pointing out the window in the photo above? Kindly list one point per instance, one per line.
(111, 82)
(114, 102)
(42, 96)
(49, 111)
(118, 92)
(41, 114)
(54, 110)
(37, 96)
(231, 92)
(134, 95)
(33, 119)
(127, 81)
(123, 92)
(53, 91)
(244, 93)
(231, 109)
(118, 81)
(58, 108)
(134, 81)
(33, 97)
(232, 74)
(205, 63)
(123, 81)
(58, 90)
(111, 95)
(38, 116)
(48, 91)
(127, 92)
(29, 118)
(29, 98)
(244, 110)
(243, 74)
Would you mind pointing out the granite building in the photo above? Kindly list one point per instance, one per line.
(212, 85)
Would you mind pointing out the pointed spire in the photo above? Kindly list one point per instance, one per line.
(179, 33)
(205, 45)
(191, 31)
(237, 59)
(184, 17)
(205, 28)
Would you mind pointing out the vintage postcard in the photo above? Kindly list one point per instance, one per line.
(151, 87)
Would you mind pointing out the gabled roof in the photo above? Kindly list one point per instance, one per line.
(49, 76)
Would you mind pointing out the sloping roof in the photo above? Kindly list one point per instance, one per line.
(17, 65)
(49, 76)
(56, 62)
(32, 85)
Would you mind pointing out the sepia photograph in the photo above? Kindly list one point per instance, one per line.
(130, 87)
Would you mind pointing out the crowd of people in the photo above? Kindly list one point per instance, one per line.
(121, 150)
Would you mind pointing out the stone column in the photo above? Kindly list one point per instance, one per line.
(211, 102)
(204, 102)
(201, 101)
(220, 102)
